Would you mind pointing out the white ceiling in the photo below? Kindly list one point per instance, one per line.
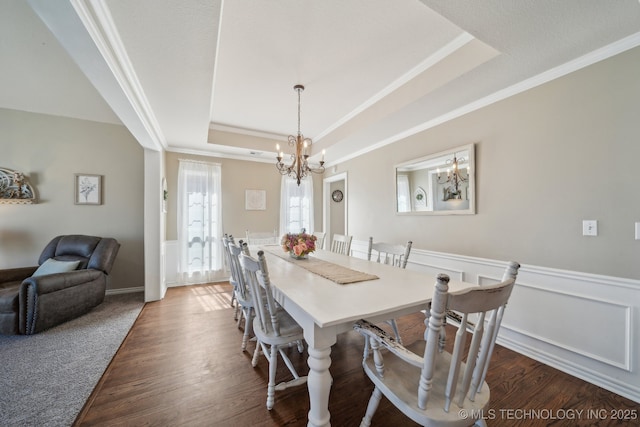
(195, 75)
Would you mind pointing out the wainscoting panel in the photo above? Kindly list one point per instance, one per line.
(171, 266)
(597, 329)
(584, 324)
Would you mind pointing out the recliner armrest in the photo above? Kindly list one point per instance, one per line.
(16, 274)
(41, 285)
(35, 289)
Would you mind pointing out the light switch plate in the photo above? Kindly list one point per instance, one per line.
(637, 230)
(590, 227)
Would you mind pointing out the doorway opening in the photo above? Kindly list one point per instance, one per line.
(335, 206)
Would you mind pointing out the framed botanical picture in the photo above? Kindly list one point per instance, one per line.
(88, 189)
(255, 200)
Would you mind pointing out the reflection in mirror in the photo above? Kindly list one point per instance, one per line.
(438, 184)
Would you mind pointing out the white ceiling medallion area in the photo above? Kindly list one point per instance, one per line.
(214, 78)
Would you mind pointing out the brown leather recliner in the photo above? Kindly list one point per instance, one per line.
(30, 304)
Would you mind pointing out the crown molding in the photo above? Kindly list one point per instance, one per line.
(426, 64)
(96, 18)
(222, 154)
(248, 132)
(591, 58)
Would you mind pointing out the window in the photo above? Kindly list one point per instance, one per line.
(199, 222)
(404, 195)
(296, 205)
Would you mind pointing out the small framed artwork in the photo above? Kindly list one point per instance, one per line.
(88, 189)
(255, 200)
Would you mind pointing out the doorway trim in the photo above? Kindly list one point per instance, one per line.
(326, 202)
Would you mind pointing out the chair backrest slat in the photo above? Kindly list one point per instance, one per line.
(341, 244)
(511, 272)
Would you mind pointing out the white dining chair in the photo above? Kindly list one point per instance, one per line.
(274, 328)
(341, 244)
(243, 294)
(432, 386)
(227, 260)
(320, 235)
(261, 237)
(390, 254)
(227, 257)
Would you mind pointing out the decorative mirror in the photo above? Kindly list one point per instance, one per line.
(439, 184)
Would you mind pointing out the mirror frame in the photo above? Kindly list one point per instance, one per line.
(471, 192)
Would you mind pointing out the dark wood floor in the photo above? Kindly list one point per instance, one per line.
(181, 365)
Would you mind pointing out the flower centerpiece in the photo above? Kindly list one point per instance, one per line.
(299, 245)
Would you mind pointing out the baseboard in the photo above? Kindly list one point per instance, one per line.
(176, 284)
(124, 290)
(630, 391)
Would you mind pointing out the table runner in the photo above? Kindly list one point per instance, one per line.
(334, 272)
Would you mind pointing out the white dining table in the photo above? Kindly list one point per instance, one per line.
(325, 309)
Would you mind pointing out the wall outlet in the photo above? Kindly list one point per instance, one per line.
(590, 227)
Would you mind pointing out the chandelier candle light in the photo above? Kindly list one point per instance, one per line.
(299, 167)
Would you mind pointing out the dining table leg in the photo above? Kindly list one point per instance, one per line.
(319, 384)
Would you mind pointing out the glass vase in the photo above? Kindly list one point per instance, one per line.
(294, 256)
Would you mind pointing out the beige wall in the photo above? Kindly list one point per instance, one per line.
(546, 159)
(238, 176)
(50, 150)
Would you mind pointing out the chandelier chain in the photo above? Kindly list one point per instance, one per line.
(299, 90)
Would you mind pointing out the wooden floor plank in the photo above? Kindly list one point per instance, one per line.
(181, 365)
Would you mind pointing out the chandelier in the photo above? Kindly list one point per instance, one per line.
(299, 167)
(454, 177)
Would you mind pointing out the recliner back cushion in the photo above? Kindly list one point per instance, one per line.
(92, 252)
(70, 248)
(82, 246)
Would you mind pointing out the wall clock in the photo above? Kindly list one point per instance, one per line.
(337, 196)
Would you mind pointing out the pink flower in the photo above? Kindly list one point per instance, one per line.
(298, 243)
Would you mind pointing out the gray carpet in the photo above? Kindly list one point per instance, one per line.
(46, 378)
